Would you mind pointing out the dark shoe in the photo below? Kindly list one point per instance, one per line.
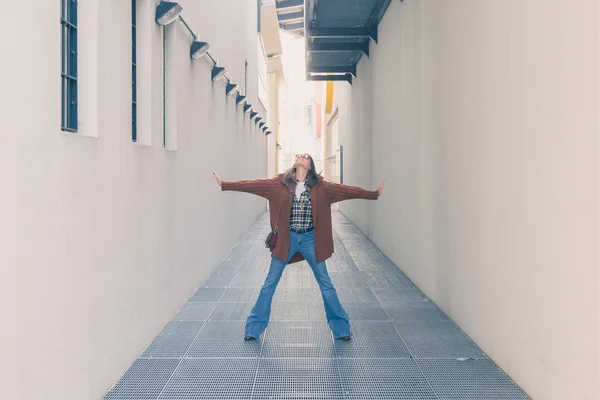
(249, 338)
(345, 338)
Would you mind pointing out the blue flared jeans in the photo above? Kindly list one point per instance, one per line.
(303, 243)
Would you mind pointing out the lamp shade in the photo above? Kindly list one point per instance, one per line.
(240, 98)
(167, 12)
(230, 89)
(198, 49)
(217, 73)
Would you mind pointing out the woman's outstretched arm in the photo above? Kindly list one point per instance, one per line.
(259, 187)
(338, 192)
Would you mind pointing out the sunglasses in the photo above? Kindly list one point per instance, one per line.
(302, 156)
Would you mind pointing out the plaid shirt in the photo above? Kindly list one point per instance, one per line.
(301, 211)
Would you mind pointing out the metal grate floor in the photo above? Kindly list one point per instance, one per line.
(404, 346)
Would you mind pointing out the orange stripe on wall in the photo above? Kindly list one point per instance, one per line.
(329, 98)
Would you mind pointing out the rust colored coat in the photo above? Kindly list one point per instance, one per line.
(323, 195)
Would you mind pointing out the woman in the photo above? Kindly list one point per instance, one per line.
(300, 207)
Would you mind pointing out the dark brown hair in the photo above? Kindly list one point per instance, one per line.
(312, 178)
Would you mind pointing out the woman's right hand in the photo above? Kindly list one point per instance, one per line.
(219, 181)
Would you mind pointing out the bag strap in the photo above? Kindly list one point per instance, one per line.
(279, 212)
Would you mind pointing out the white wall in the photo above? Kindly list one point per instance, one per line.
(103, 239)
(354, 113)
(272, 123)
(484, 122)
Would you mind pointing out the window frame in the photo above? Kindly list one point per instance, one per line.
(134, 70)
(69, 81)
(245, 77)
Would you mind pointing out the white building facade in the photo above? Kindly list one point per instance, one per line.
(110, 215)
(483, 119)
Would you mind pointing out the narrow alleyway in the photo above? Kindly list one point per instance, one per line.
(404, 346)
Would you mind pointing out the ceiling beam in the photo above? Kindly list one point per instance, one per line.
(337, 47)
(286, 4)
(293, 16)
(343, 33)
(292, 27)
(349, 69)
(327, 78)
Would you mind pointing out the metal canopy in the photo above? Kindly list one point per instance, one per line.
(337, 33)
(290, 14)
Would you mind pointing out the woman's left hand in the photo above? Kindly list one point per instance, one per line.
(380, 188)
